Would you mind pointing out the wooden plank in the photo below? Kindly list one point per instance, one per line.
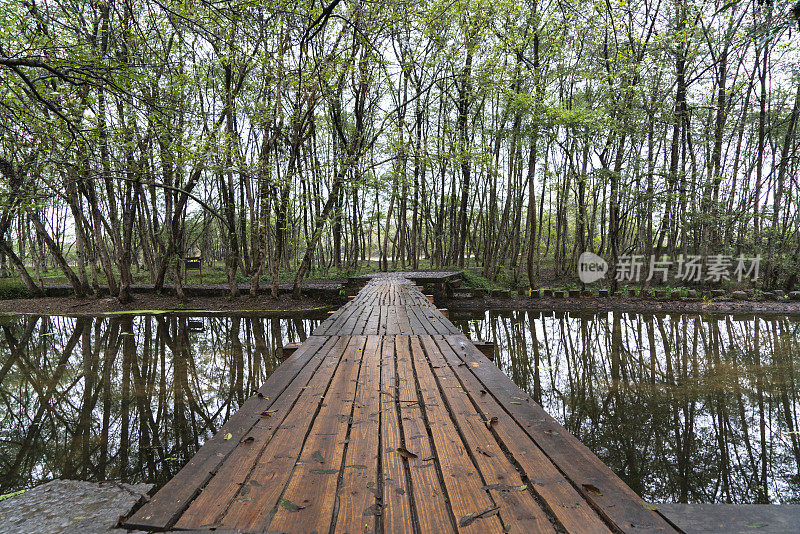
(313, 483)
(392, 322)
(427, 326)
(354, 323)
(337, 328)
(462, 479)
(373, 321)
(573, 512)
(235, 478)
(418, 325)
(403, 322)
(428, 494)
(358, 505)
(396, 515)
(340, 421)
(166, 506)
(519, 511)
(279, 459)
(597, 483)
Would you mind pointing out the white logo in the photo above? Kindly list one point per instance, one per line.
(591, 267)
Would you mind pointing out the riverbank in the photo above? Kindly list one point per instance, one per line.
(629, 304)
(143, 302)
(265, 305)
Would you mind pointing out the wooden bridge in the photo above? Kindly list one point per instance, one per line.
(388, 419)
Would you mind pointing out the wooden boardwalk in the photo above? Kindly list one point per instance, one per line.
(388, 419)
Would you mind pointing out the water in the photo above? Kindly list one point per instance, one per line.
(684, 408)
(126, 398)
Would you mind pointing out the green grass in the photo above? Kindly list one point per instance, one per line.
(12, 288)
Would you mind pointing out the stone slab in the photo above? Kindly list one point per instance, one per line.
(70, 506)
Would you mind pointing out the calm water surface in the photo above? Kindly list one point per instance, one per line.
(125, 397)
(684, 408)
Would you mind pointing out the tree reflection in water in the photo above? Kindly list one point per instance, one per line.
(130, 398)
(684, 408)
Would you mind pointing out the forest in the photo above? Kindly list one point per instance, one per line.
(295, 139)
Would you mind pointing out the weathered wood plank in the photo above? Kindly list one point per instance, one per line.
(465, 492)
(228, 483)
(568, 506)
(359, 502)
(429, 497)
(396, 515)
(519, 510)
(275, 466)
(167, 505)
(597, 483)
(314, 480)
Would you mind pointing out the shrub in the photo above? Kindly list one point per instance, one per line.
(12, 288)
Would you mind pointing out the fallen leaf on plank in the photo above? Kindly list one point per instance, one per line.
(591, 488)
(289, 505)
(467, 520)
(484, 452)
(405, 453)
(505, 487)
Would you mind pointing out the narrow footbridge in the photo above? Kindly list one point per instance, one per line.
(388, 419)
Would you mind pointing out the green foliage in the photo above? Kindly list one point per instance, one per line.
(12, 288)
(474, 280)
(12, 494)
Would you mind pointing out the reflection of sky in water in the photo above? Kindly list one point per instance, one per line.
(682, 408)
(125, 397)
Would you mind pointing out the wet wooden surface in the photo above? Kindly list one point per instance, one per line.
(388, 419)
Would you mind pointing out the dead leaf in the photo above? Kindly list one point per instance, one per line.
(405, 453)
(551, 432)
(248, 440)
(467, 520)
(484, 452)
(228, 435)
(289, 505)
(491, 422)
(505, 487)
(591, 488)
(649, 506)
(266, 414)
